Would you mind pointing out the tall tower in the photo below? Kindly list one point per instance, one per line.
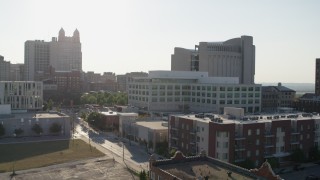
(62, 35)
(317, 77)
(36, 60)
(65, 54)
(232, 58)
(76, 36)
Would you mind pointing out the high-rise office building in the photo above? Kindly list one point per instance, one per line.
(318, 77)
(36, 60)
(62, 54)
(4, 69)
(231, 58)
(65, 53)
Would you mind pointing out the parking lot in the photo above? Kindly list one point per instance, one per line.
(103, 169)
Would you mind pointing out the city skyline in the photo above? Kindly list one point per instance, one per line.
(127, 36)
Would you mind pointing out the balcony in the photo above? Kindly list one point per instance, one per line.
(174, 137)
(294, 132)
(268, 134)
(267, 155)
(268, 145)
(193, 131)
(239, 160)
(238, 138)
(239, 148)
(294, 142)
(174, 128)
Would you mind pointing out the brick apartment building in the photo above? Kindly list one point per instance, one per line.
(235, 139)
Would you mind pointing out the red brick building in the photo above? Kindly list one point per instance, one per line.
(253, 137)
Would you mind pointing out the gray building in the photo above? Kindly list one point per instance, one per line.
(4, 69)
(231, 58)
(317, 77)
(62, 54)
(275, 97)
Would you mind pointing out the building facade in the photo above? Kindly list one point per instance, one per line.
(65, 53)
(4, 69)
(231, 58)
(124, 80)
(181, 91)
(62, 54)
(251, 137)
(36, 60)
(317, 88)
(22, 95)
(275, 97)
(25, 122)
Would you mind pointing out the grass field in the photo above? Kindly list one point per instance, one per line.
(39, 154)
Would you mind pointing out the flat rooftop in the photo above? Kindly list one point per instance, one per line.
(196, 169)
(263, 118)
(157, 125)
(39, 115)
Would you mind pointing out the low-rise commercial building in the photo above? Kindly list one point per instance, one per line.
(26, 121)
(182, 91)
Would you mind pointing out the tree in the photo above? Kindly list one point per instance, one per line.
(297, 156)
(248, 164)
(162, 148)
(314, 154)
(143, 175)
(55, 128)
(37, 129)
(274, 163)
(18, 131)
(2, 130)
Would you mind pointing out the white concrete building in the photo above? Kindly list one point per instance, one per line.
(182, 91)
(22, 95)
(231, 58)
(150, 132)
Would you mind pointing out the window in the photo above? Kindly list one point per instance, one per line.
(217, 155)
(218, 144)
(248, 153)
(249, 132)
(258, 131)
(301, 128)
(218, 133)
(225, 156)
(226, 145)
(257, 142)
(257, 152)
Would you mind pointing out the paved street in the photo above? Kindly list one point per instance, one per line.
(134, 156)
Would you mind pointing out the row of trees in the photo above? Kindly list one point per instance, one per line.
(55, 128)
(104, 98)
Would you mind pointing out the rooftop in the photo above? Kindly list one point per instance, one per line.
(202, 167)
(156, 125)
(261, 118)
(38, 115)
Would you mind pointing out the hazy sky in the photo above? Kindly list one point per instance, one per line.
(125, 36)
